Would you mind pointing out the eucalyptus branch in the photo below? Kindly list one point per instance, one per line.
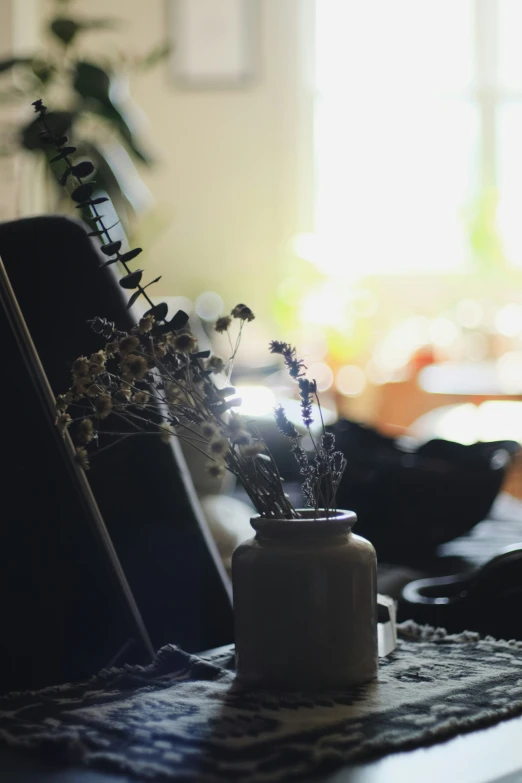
(83, 196)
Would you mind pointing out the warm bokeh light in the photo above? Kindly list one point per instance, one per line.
(327, 306)
(443, 332)
(377, 374)
(469, 313)
(509, 372)
(313, 345)
(290, 291)
(350, 381)
(255, 400)
(363, 302)
(509, 320)
(467, 423)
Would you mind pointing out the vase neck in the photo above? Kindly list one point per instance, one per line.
(307, 525)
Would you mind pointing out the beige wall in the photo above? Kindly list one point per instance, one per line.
(232, 184)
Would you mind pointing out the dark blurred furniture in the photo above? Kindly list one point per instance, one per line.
(142, 486)
(410, 498)
(427, 509)
(487, 600)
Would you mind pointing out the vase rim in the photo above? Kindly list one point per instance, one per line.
(341, 521)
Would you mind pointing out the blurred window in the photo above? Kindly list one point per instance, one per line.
(418, 134)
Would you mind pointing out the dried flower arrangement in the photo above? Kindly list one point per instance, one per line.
(155, 379)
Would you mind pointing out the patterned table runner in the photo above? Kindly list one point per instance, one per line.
(185, 718)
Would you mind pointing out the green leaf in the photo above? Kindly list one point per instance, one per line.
(106, 180)
(64, 177)
(94, 86)
(91, 81)
(126, 257)
(101, 231)
(82, 193)
(64, 29)
(156, 280)
(133, 299)
(156, 55)
(60, 122)
(100, 24)
(159, 311)
(42, 70)
(63, 153)
(132, 280)
(93, 202)
(5, 65)
(179, 320)
(83, 169)
(111, 248)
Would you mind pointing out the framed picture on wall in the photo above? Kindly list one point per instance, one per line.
(213, 42)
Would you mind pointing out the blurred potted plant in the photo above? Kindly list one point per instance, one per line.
(94, 104)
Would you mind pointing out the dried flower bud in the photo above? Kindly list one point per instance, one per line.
(339, 462)
(102, 326)
(185, 342)
(328, 441)
(215, 470)
(123, 394)
(243, 312)
(146, 323)
(98, 358)
(96, 369)
(85, 431)
(284, 349)
(39, 107)
(160, 350)
(306, 389)
(218, 447)
(235, 423)
(222, 324)
(128, 345)
(80, 367)
(112, 348)
(103, 405)
(241, 438)
(253, 449)
(295, 366)
(216, 364)
(63, 421)
(134, 367)
(283, 424)
(63, 401)
(141, 398)
(209, 430)
(82, 458)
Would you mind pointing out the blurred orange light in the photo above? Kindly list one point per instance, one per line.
(350, 381)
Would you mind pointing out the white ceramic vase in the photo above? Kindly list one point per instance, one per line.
(305, 604)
